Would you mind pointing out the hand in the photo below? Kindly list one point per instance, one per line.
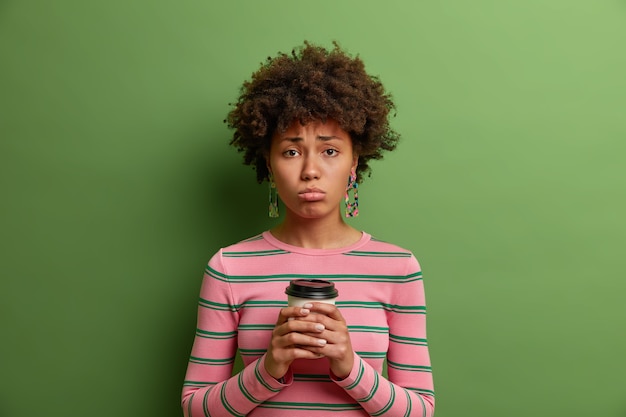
(338, 348)
(293, 339)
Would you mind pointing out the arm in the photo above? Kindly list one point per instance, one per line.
(208, 386)
(408, 391)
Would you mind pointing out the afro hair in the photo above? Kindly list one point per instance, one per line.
(312, 83)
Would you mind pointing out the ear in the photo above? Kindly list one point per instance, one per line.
(355, 162)
(269, 167)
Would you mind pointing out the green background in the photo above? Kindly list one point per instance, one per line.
(117, 185)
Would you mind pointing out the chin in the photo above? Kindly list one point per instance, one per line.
(312, 211)
(309, 214)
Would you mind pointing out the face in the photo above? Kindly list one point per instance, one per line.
(311, 165)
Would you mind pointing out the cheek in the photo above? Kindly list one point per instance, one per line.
(284, 181)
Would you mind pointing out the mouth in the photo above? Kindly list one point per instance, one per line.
(311, 194)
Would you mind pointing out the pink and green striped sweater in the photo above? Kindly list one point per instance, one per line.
(381, 296)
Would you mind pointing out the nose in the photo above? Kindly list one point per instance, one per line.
(310, 169)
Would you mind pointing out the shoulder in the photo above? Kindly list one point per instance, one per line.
(243, 253)
(391, 254)
(380, 247)
(251, 244)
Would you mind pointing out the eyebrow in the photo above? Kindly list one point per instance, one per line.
(322, 138)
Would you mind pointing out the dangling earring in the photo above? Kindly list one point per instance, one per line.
(352, 209)
(273, 207)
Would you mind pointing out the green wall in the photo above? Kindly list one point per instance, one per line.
(117, 185)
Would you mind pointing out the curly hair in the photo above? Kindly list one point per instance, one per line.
(312, 83)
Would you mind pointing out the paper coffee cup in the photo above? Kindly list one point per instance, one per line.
(302, 291)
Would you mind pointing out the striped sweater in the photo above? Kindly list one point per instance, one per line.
(381, 297)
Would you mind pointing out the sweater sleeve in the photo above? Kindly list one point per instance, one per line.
(209, 388)
(408, 391)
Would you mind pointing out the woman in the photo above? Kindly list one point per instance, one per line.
(309, 123)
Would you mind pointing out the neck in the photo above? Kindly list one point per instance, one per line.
(327, 233)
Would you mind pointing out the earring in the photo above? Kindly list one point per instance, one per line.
(273, 206)
(352, 209)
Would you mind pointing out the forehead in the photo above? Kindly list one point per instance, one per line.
(316, 128)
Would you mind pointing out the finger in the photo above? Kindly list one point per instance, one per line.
(335, 332)
(300, 340)
(330, 325)
(308, 328)
(329, 310)
(317, 352)
(307, 352)
(304, 325)
(288, 313)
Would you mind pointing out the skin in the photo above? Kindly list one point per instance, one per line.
(310, 165)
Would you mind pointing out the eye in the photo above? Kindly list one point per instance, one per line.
(290, 153)
(330, 152)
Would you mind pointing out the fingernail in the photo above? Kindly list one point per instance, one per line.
(304, 311)
(307, 305)
(321, 342)
(291, 318)
(319, 327)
